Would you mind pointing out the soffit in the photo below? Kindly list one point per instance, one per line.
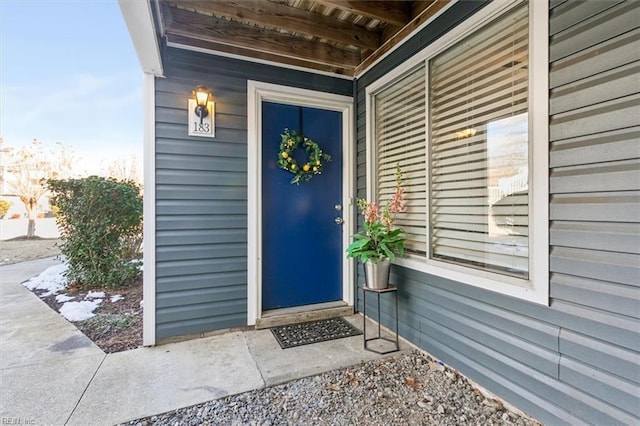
(336, 36)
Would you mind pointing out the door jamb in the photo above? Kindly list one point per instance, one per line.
(257, 92)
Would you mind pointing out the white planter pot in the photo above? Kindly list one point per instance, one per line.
(377, 274)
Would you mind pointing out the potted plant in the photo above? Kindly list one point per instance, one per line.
(380, 242)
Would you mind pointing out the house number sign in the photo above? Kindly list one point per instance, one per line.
(204, 126)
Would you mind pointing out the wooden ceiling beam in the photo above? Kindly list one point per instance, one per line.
(419, 6)
(204, 45)
(276, 15)
(398, 37)
(202, 27)
(396, 13)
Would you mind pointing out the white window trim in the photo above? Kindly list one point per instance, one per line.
(536, 288)
(257, 92)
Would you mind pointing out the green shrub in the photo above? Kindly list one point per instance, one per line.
(100, 220)
(4, 207)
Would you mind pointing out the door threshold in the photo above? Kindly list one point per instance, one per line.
(298, 314)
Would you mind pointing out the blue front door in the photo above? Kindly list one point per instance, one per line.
(301, 242)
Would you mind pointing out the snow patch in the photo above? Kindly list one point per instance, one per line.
(51, 280)
(116, 298)
(94, 295)
(79, 311)
(139, 263)
(61, 298)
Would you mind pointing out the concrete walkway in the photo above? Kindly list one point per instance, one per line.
(50, 373)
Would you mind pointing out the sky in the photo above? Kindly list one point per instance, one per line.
(69, 74)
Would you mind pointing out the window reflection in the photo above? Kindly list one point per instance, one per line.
(508, 183)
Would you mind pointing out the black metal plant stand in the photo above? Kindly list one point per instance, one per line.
(390, 289)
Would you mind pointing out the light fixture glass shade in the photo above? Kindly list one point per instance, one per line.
(202, 96)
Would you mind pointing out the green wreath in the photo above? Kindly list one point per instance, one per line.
(314, 164)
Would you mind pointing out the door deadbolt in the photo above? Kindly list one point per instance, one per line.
(338, 207)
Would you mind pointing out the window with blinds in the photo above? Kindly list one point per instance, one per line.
(478, 131)
(400, 119)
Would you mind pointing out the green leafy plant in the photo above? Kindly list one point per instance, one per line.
(98, 218)
(380, 240)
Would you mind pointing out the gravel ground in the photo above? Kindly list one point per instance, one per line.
(407, 389)
(21, 250)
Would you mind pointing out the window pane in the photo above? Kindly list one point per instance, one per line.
(478, 94)
(400, 119)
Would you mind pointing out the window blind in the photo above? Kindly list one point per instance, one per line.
(400, 135)
(478, 96)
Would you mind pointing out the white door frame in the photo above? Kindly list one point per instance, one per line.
(257, 92)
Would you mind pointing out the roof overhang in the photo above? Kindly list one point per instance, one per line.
(337, 37)
(139, 19)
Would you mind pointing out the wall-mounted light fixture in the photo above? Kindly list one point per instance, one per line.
(202, 97)
(466, 133)
(201, 113)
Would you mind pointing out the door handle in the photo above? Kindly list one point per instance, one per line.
(339, 220)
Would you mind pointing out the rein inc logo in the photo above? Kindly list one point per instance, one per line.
(18, 421)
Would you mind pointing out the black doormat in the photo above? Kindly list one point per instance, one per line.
(289, 336)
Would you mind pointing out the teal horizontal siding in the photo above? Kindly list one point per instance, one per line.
(187, 311)
(201, 191)
(204, 324)
(199, 162)
(188, 282)
(199, 177)
(177, 132)
(594, 60)
(616, 237)
(615, 206)
(198, 192)
(568, 15)
(597, 264)
(178, 207)
(601, 355)
(172, 223)
(607, 387)
(192, 297)
(201, 251)
(535, 356)
(580, 30)
(603, 295)
(189, 237)
(195, 148)
(620, 144)
(178, 268)
(575, 361)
